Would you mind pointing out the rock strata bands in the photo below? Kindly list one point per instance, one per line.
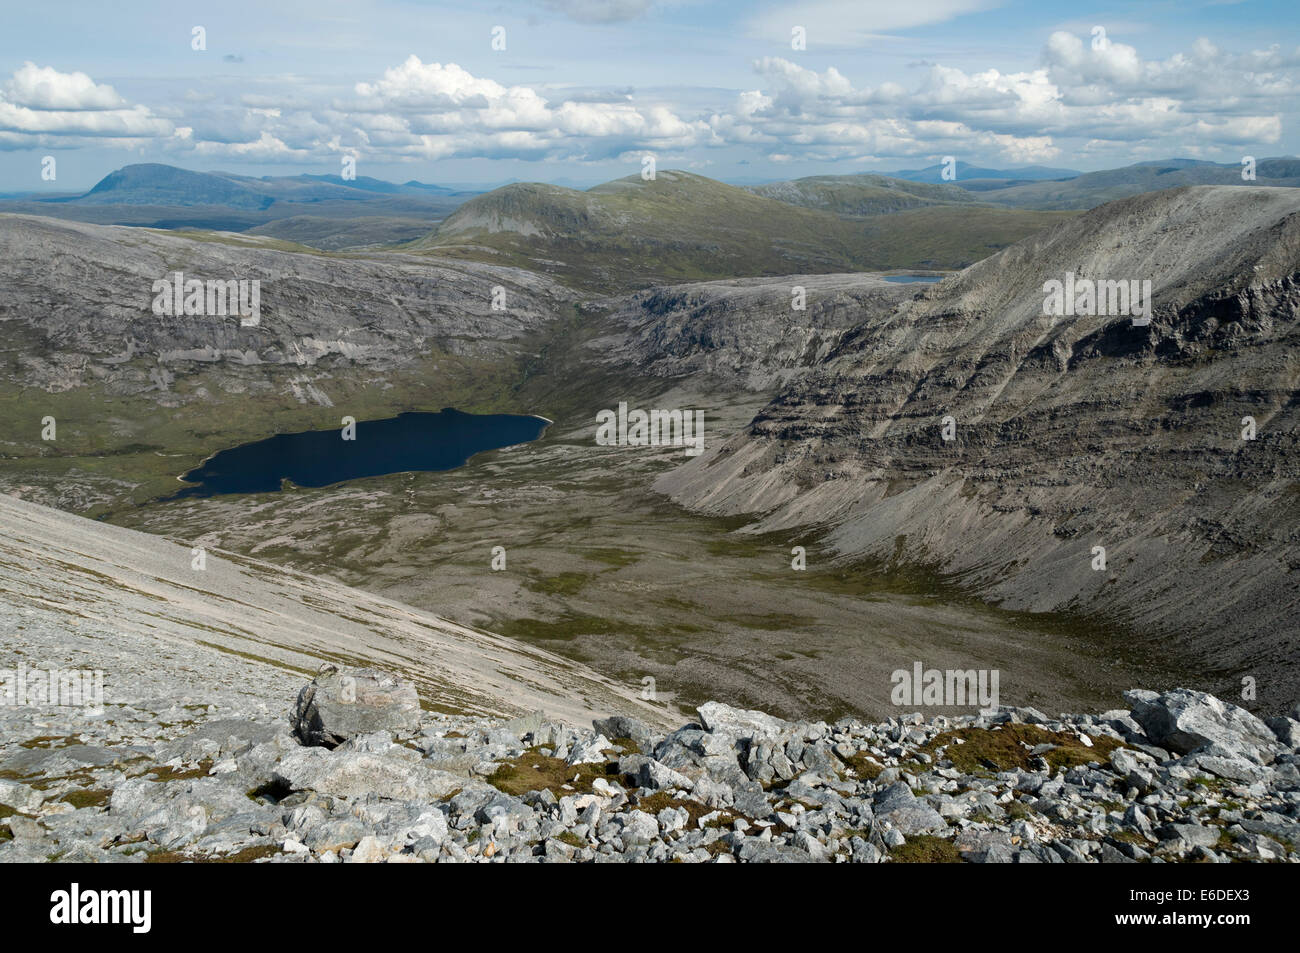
(1068, 433)
(1181, 776)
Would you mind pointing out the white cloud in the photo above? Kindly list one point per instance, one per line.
(40, 104)
(43, 87)
(1099, 92)
(1079, 98)
(434, 110)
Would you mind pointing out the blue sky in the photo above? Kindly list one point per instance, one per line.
(584, 88)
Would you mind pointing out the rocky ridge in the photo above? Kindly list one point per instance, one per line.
(1069, 433)
(212, 775)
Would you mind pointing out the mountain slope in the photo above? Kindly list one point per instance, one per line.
(1071, 433)
(1094, 188)
(323, 210)
(860, 195)
(966, 172)
(362, 335)
(62, 572)
(631, 233)
(154, 184)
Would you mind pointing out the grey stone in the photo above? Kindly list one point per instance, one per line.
(357, 774)
(339, 704)
(1185, 721)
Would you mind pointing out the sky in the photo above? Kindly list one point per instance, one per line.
(578, 92)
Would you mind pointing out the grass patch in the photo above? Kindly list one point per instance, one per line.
(572, 839)
(661, 800)
(926, 849)
(166, 773)
(561, 584)
(245, 856)
(87, 797)
(533, 771)
(1003, 748)
(864, 765)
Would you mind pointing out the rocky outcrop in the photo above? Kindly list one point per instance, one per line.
(79, 298)
(336, 707)
(232, 781)
(1068, 433)
(742, 333)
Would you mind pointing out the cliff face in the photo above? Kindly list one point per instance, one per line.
(743, 333)
(80, 297)
(1070, 432)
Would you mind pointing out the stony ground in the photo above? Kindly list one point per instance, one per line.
(203, 762)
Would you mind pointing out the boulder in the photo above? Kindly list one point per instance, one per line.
(1286, 730)
(340, 704)
(625, 726)
(397, 775)
(1185, 721)
(901, 808)
(739, 723)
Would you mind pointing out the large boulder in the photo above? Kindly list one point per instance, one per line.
(341, 704)
(739, 723)
(1185, 721)
(398, 774)
(908, 814)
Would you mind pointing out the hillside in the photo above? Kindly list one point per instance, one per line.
(965, 172)
(856, 196)
(1071, 433)
(375, 333)
(631, 233)
(69, 579)
(1095, 188)
(321, 210)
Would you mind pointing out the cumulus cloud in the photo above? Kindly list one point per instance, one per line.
(1084, 94)
(40, 104)
(1087, 89)
(435, 110)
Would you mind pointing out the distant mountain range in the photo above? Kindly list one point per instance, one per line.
(687, 226)
(155, 184)
(630, 233)
(324, 211)
(965, 172)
